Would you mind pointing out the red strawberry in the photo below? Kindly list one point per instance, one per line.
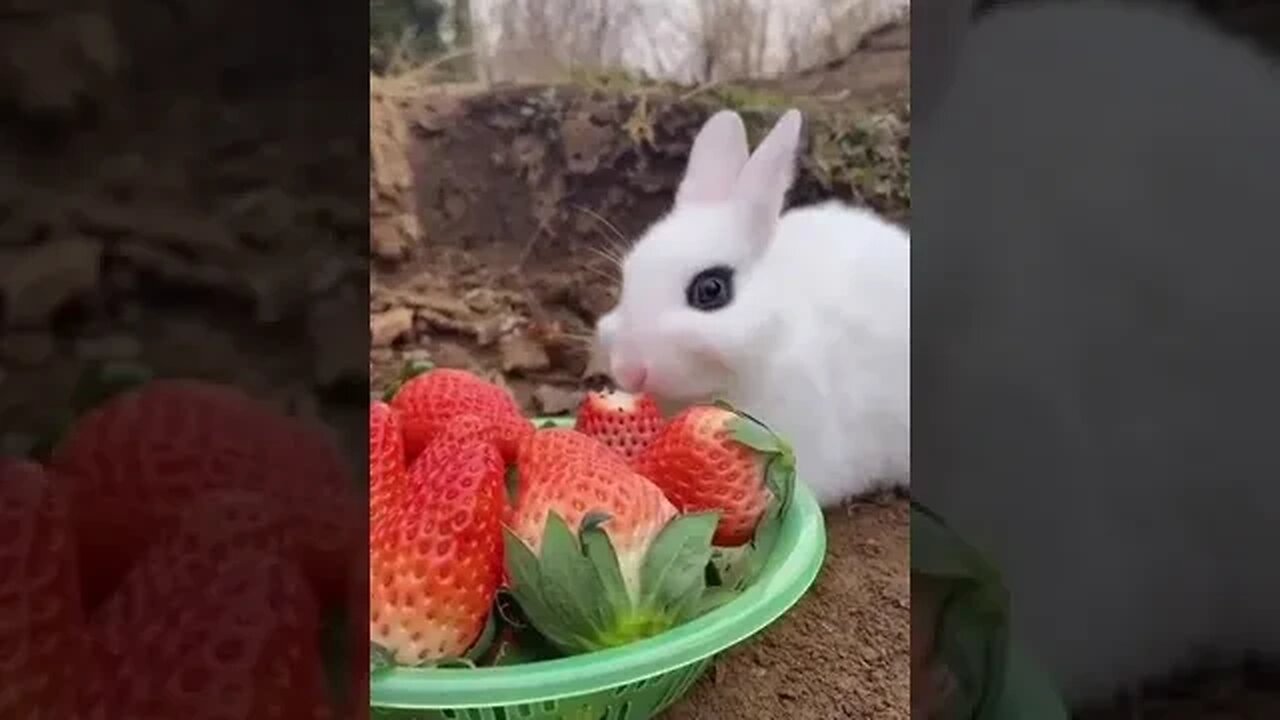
(639, 570)
(141, 459)
(41, 623)
(622, 421)
(236, 637)
(428, 402)
(387, 467)
(436, 559)
(712, 458)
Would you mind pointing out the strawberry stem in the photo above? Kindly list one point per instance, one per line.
(410, 370)
(574, 593)
(106, 380)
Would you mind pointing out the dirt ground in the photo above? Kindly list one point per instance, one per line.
(843, 651)
(488, 237)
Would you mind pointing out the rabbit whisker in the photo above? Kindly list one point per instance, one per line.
(610, 257)
(611, 278)
(618, 236)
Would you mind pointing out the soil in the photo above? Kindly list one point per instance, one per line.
(843, 651)
(494, 214)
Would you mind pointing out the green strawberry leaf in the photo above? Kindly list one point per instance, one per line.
(570, 584)
(105, 380)
(598, 548)
(688, 606)
(512, 482)
(525, 573)
(755, 435)
(713, 599)
(413, 368)
(780, 477)
(410, 370)
(675, 566)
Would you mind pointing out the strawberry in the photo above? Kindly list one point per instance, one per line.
(233, 635)
(42, 628)
(436, 559)
(387, 470)
(596, 555)
(428, 402)
(710, 457)
(622, 421)
(141, 459)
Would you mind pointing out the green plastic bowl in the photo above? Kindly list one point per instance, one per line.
(633, 682)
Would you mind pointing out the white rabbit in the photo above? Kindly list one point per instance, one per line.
(801, 319)
(1095, 347)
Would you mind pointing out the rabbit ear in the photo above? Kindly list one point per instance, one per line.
(763, 183)
(718, 154)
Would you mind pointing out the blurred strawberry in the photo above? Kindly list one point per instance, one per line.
(236, 637)
(622, 421)
(596, 555)
(41, 622)
(216, 524)
(436, 558)
(710, 457)
(428, 402)
(141, 459)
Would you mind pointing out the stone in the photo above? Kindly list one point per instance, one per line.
(387, 327)
(520, 353)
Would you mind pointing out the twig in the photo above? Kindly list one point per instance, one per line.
(708, 85)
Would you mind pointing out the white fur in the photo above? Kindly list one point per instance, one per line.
(1095, 193)
(816, 341)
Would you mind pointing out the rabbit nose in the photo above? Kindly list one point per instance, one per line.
(630, 377)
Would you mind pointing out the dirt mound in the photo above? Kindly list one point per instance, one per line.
(495, 257)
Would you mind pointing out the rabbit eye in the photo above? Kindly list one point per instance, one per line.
(710, 289)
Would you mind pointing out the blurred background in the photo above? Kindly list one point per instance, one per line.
(678, 40)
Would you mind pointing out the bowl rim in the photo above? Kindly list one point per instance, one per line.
(788, 574)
